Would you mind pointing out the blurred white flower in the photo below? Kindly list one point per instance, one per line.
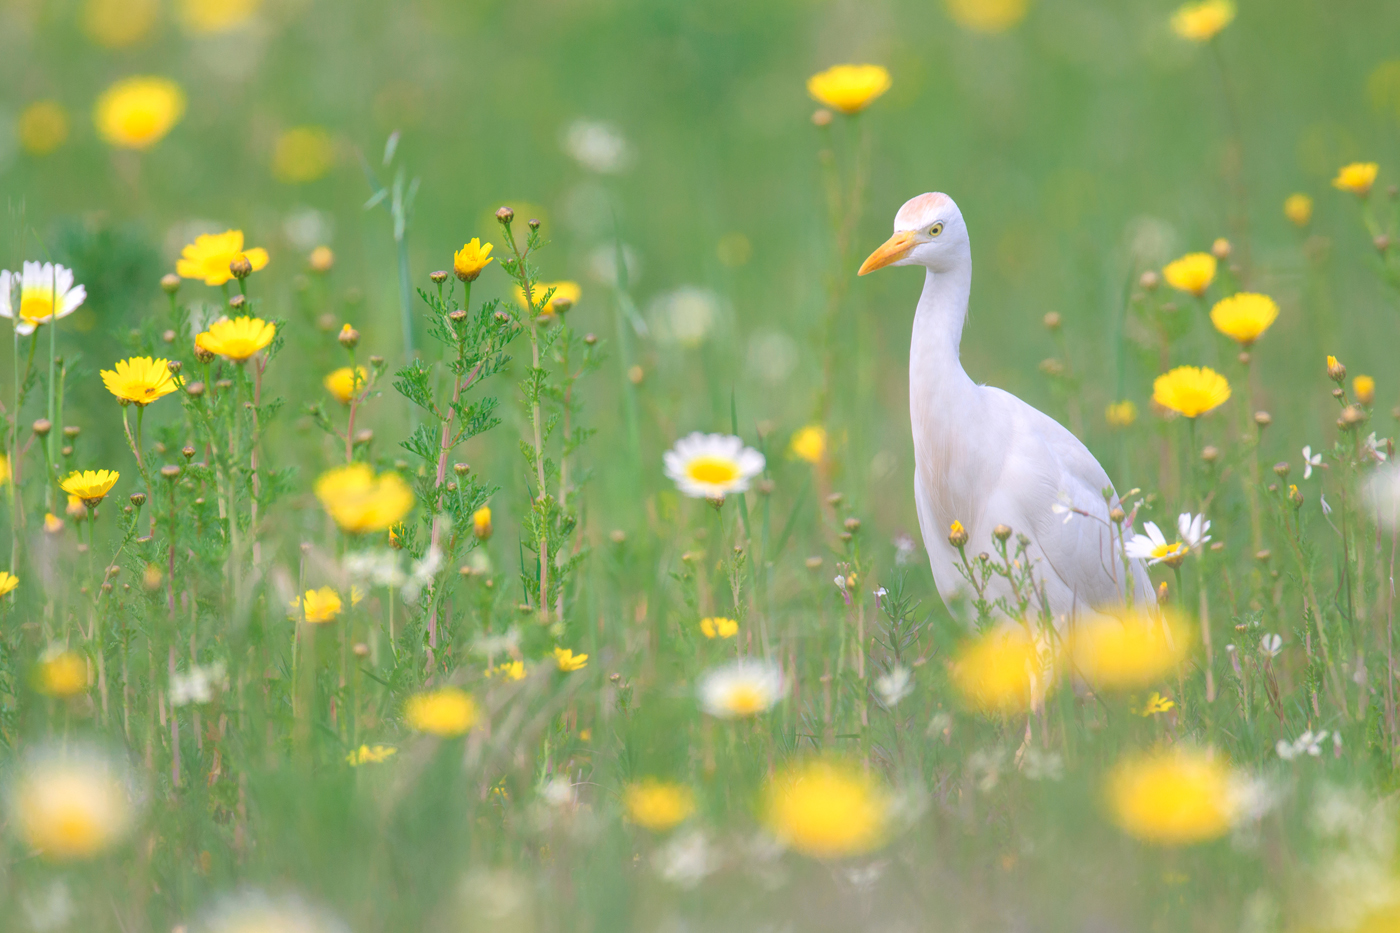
(559, 792)
(686, 859)
(904, 550)
(597, 146)
(378, 568)
(253, 911)
(1384, 489)
(1038, 765)
(895, 685)
(602, 265)
(49, 908)
(863, 877)
(1310, 460)
(772, 356)
(1193, 530)
(712, 466)
(198, 685)
(72, 802)
(985, 765)
(489, 646)
(685, 315)
(421, 574)
(1309, 743)
(742, 688)
(1271, 644)
(307, 229)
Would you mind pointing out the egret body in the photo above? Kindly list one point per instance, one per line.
(983, 457)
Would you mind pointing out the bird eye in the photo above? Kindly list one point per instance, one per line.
(935, 230)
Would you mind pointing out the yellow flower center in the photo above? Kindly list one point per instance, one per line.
(36, 305)
(1163, 551)
(745, 699)
(713, 470)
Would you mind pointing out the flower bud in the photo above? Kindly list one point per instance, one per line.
(42, 427)
(361, 650)
(195, 389)
(174, 366)
(561, 304)
(457, 315)
(138, 499)
(168, 336)
(534, 224)
(187, 452)
(203, 355)
(322, 259)
(1149, 281)
(1282, 469)
(1001, 532)
(364, 437)
(505, 215)
(237, 302)
(71, 430)
(241, 268)
(1116, 515)
(349, 337)
(1052, 320)
(1351, 417)
(461, 469)
(1263, 419)
(170, 283)
(1210, 453)
(438, 277)
(1220, 249)
(170, 471)
(66, 450)
(1295, 497)
(502, 317)
(590, 339)
(852, 524)
(957, 535)
(1335, 370)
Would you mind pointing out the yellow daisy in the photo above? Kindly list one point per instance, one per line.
(211, 254)
(658, 805)
(827, 810)
(849, 88)
(1244, 317)
(91, 486)
(468, 261)
(137, 113)
(1358, 178)
(1176, 796)
(346, 383)
(1191, 273)
(1201, 22)
(140, 380)
(361, 502)
(236, 339)
(445, 712)
(1191, 390)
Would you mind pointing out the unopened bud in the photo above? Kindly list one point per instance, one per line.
(361, 650)
(174, 366)
(203, 355)
(590, 339)
(1263, 419)
(138, 499)
(1351, 416)
(505, 215)
(170, 471)
(533, 224)
(1210, 453)
(168, 336)
(364, 437)
(42, 427)
(1220, 249)
(241, 267)
(170, 283)
(237, 302)
(438, 277)
(457, 315)
(1001, 532)
(852, 524)
(821, 117)
(1052, 320)
(1149, 281)
(560, 305)
(1116, 515)
(322, 259)
(461, 469)
(501, 317)
(71, 430)
(349, 337)
(187, 452)
(195, 389)
(1335, 370)
(1282, 469)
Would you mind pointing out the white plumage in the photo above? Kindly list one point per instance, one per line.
(983, 457)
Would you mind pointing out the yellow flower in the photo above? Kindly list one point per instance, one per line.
(4, 469)
(371, 754)
(1200, 22)
(1244, 317)
(809, 443)
(446, 712)
(61, 673)
(1001, 671)
(1191, 273)
(116, 24)
(303, 154)
(91, 486)
(1365, 389)
(137, 113)
(1358, 177)
(1176, 796)
(827, 810)
(76, 509)
(43, 127)
(1191, 390)
(52, 523)
(8, 582)
(1298, 208)
(1131, 652)
(318, 606)
(1120, 414)
(481, 522)
(568, 661)
(361, 502)
(987, 15)
(1156, 704)
(71, 805)
(719, 627)
(511, 670)
(236, 339)
(345, 383)
(468, 261)
(658, 805)
(215, 16)
(957, 535)
(566, 294)
(849, 88)
(321, 260)
(140, 379)
(211, 254)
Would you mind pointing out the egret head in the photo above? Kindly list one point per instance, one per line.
(929, 232)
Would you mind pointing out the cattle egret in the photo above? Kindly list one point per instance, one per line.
(983, 457)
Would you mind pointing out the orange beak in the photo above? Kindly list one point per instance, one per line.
(892, 250)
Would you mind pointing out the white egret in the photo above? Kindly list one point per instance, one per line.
(983, 457)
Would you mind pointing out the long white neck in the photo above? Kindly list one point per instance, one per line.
(934, 367)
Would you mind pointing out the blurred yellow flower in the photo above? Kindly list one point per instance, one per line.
(657, 805)
(321, 260)
(1001, 671)
(52, 523)
(809, 443)
(70, 805)
(1120, 414)
(510, 670)
(1298, 208)
(827, 809)
(236, 339)
(116, 24)
(1132, 652)
(1176, 796)
(137, 113)
(140, 379)
(1191, 390)
(8, 582)
(1365, 389)
(1155, 704)
(4, 469)
(303, 154)
(987, 15)
(849, 88)
(481, 522)
(76, 509)
(345, 383)
(371, 754)
(565, 296)
(1358, 177)
(318, 606)
(1244, 317)
(445, 712)
(468, 261)
(568, 661)
(361, 502)
(43, 127)
(214, 16)
(1191, 273)
(211, 254)
(719, 627)
(91, 486)
(61, 673)
(1201, 22)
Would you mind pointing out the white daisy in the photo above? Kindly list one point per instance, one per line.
(41, 288)
(1193, 530)
(1154, 548)
(1310, 460)
(743, 688)
(711, 466)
